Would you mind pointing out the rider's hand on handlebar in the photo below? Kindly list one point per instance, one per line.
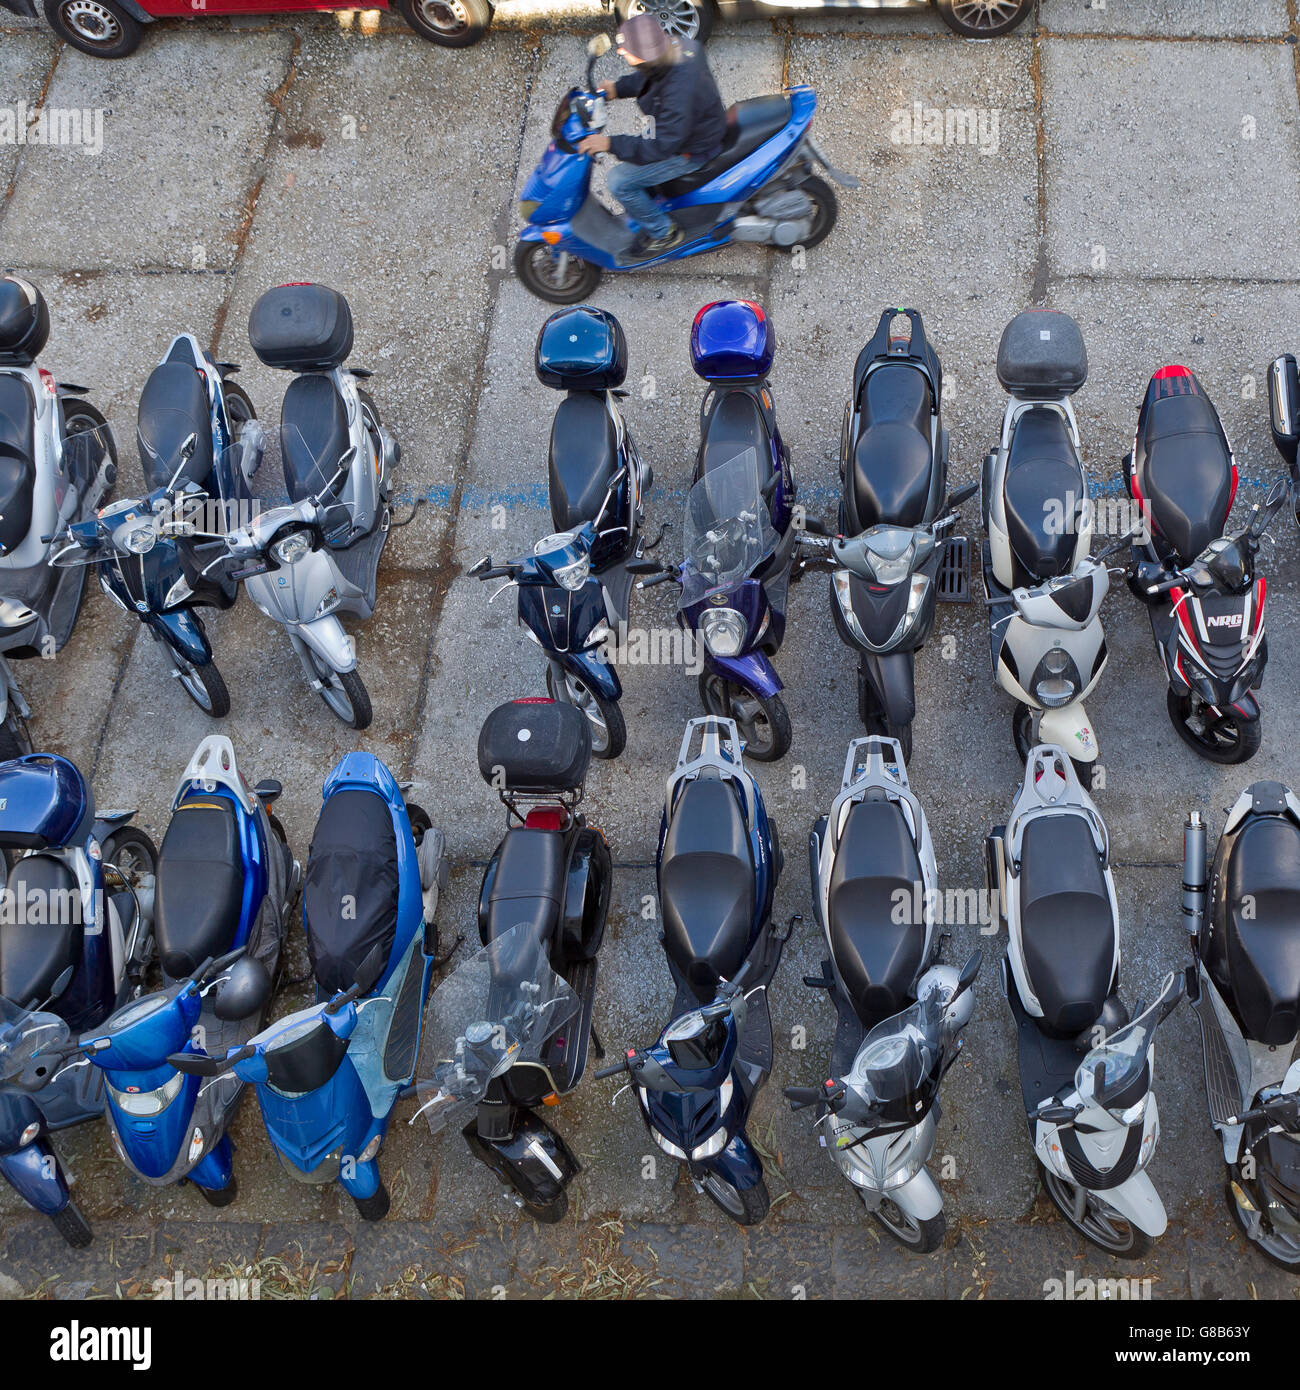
(610, 90)
(593, 144)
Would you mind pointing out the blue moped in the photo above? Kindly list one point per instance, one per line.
(328, 1076)
(760, 188)
(74, 940)
(225, 884)
(719, 861)
(200, 442)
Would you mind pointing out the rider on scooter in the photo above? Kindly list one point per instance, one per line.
(674, 88)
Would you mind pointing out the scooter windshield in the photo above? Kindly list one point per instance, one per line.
(495, 1011)
(728, 531)
(1119, 1061)
(898, 1057)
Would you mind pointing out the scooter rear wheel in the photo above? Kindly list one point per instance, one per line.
(73, 1227)
(542, 273)
(1098, 1224)
(920, 1237)
(1231, 740)
(826, 209)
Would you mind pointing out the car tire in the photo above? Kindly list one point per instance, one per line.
(448, 23)
(674, 16)
(78, 21)
(983, 19)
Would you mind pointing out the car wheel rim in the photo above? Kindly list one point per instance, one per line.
(92, 22)
(446, 16)
(986, 14)
(678, 17)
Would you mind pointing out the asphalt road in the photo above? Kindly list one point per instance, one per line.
(1144, 177)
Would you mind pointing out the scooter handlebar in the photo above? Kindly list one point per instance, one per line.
(606, 1072)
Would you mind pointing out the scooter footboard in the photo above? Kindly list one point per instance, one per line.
(532, 1158)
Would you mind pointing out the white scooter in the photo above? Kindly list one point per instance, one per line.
(58, 461)
(1044, 591)
(875, 892)
(1085, 1068)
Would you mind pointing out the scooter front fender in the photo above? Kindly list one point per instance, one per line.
(919, 1197)
(184, 632)
(752, 671)
(35, 1173)
(1137, 1200)
(894, 679)
(328, 640)
(1070, 729)
(595, 674)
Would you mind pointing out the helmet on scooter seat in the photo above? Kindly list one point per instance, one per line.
(24, 321)
(732, 340)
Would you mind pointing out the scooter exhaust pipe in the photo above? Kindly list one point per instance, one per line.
(1194, 873)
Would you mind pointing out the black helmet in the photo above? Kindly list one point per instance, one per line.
(24, 321)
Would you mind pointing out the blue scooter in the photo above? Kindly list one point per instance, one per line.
(225, 884)
(74, 941)
(739, 538)
(718, 865)
(328, 1076)
(566, 609)
(197, 434)
(759, 188)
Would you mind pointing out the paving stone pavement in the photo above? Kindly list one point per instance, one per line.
(1144, 177)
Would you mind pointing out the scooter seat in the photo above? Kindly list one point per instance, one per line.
(200, 886)
(583, 458)
(892, 458)
(173, 406)
(1043, 494)
(734, 424)
(313, 435)
(706, 884)
(43, 936)
(1262, 930)
(1067, 928)
(749, 124)
(1183, 465)
(17, 470)
(877, 954)
(528, 883)
(350, 890)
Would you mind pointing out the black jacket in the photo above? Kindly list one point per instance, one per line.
(682, 99)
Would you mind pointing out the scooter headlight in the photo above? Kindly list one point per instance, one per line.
(292, 548)
(714, 1144)
(146, 1103)
(139, 540)
(1056, 679)
(671, 1149)
(724, 631)
(574, 576)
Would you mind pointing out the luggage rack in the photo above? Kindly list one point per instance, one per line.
(519, 801)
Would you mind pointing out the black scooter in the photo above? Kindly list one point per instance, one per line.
(1245, 988)
(894, 472)
(512, 1027)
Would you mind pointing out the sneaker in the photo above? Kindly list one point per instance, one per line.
(646, 246)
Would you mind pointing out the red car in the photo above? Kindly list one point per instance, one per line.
(113, 28)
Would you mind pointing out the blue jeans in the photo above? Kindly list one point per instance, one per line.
(629, 182)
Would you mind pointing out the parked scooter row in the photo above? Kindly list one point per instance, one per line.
(198, 532)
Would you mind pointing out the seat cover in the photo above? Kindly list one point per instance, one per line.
(735, 423)
(1183, 465)
(1262, 930)
(17, 470)
(877, 949)
(528, 885)
(351, 886)
(43, 936)
(1066, 926)
(313, 435)
(1043, 476)
(173, 406)
(583, 457)
(892, 459)
(200, 888)
(706, 884)
(749, 124)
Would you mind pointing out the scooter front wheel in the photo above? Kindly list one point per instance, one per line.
(554, 276)
(918, 1235)
(203, 684)
(1283, 1251)
(608, 727)
(1224, 740)
(1095, 1221)
(345, 694)
(374, 1207)
(746, 1206)
(764, 723)
(548, 1213)
(73, 1227)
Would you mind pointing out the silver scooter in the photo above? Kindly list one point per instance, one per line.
(1085, 1068)
(875, 890)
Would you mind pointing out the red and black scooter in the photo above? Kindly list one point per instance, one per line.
(1203, 596)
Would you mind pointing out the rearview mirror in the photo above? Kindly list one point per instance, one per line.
(1055, 1114)
(480, 566)
(599, 44)
(246, 991)
(1284, 405)
(371, 969)
(196, 1064)
(962, 494)
(188, 447)
(335, 521)
(969, 972)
